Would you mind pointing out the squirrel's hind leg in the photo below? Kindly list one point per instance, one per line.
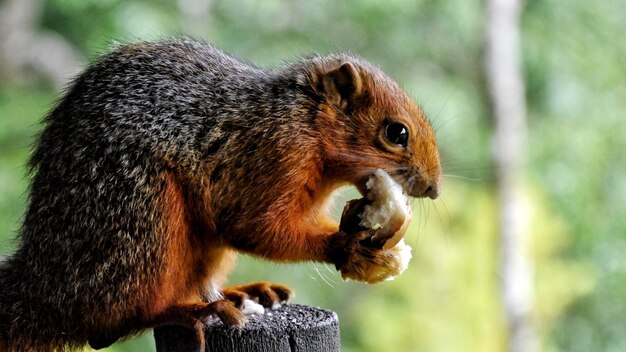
(195, 317)
(267, 294)
(192, 316)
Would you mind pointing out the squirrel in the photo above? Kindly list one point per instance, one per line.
(163, 161)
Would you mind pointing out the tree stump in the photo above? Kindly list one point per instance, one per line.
(290, 328)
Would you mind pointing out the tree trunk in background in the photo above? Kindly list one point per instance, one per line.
(506, 92)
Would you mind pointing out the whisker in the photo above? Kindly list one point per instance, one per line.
(477, 168)
(412, 180)
(445, 208)
(437, 128)
(322, 276)
(398, 169)
(437, 211)
(473, 179)
(309, 274)
(443, 229)
(460, 162)
(427, 211)
(419, 220)
(433, 120)
(328, 268)
(328, 280)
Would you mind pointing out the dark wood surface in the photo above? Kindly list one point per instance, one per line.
(290, 328)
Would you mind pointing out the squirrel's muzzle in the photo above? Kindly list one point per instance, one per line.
(430, 189)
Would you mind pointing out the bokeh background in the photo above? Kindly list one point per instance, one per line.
(574, 183)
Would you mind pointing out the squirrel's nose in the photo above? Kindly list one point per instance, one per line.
(432, 190)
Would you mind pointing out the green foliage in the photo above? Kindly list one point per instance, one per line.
(576, 79)
(20, 111)
(448, 299)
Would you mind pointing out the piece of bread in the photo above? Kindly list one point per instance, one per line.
(402, 256)
(389, 213)
(384, 211)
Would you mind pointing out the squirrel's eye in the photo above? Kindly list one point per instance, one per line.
(396, 133)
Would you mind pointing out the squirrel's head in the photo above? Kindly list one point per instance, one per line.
(367, 122)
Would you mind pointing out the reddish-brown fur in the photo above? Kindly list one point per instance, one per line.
(293, 225)
(191, 260)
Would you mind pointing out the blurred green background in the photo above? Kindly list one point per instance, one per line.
(574, 62)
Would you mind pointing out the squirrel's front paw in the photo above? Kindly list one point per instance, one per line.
(362, 261)
(253, 298)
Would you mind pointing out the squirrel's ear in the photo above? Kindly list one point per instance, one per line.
(341, 86)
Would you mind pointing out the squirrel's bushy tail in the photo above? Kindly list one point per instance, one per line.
(4, 302)
(24, 324)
